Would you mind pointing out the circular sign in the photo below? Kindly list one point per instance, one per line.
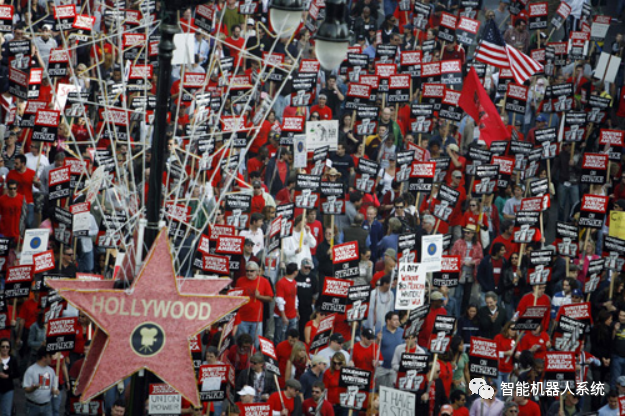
(35, 242)
(431, 249)
(147, 339)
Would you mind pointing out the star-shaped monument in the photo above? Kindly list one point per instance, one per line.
(147, 326)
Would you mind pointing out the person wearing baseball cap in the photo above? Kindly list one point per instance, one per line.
(334, 346)
(541, 123)
(247, 394)
(436, 308)
(288, 402)
(366, 353)
(313, 374)
(307, 291)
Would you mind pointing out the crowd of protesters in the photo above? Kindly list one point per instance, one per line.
(285, 286)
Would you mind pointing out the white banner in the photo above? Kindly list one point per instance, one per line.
(300, 156)
(322, 133)
(432, 252)
(410, 286)
(394, 402)
(35, 241)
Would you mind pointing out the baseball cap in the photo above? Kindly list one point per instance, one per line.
(250, 21)
(249, 242)
(541, 118)
(294, 383)
(620, 203)
(247, 390)
(447, 410)
(453, 147)
(337, 337)
(257, 358)
(307, 262)
(577, 293)
(437, 296)
(621, 380)
(317, 359)
(391, 253)
(551, 248)
(367, 334)
(256, 184)
(360, 38)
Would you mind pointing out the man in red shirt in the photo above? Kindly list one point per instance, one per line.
(12, 212)
(458, 399)
(25, 178)
(366, 353)
(538, 294)
(258, 198)
(436, 308)
(285, 314)
(287, 402)
(316, 229)
(259, 290)
(507, 230)
(317, 402)
(283, 352)
(325, 112)
(527, 407)
(235, 43)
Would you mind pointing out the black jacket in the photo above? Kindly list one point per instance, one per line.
(489, 328)
(246, 377)
(485, 275)
(508, 283)
(423, 408)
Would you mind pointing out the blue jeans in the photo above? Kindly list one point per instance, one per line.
(85, 262)
(113, 395)
(566, 194)
(6, 403)
(617, 367)
(281, 329)
(38, 410)
(30, 219)
(252, 328)
(56, 403)
(503, 377)
(456, 294)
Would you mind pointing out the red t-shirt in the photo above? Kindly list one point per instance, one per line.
(258, 204)
(10, 214)
(254, 164)
(462, 411)
(528, 301)
(324, 114)
(315, 229)
(363, 357)
(471, 218)
(28, 312)
(24, 183)
(529, 409)
(6, 332)
(309, 408)
(283, 352)
(428, 325)
(287, 289)
(234, 45)
(331, 381)
(252, 311)
(497, 267)
(276, 404)
(511, 247)
(530, 340)
(446, 375)
(503, 345)
(81, 338)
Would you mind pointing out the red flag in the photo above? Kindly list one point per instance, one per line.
(475, 101)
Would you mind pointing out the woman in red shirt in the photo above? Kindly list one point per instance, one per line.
(472, 215)
(537, 341)
(505, 345)
(331, 381)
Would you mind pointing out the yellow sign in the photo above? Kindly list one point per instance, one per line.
(617, 224)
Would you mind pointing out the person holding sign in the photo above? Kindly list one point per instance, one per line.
(287, 402)
(12, 212)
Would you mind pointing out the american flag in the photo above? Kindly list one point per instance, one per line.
(493, 50)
